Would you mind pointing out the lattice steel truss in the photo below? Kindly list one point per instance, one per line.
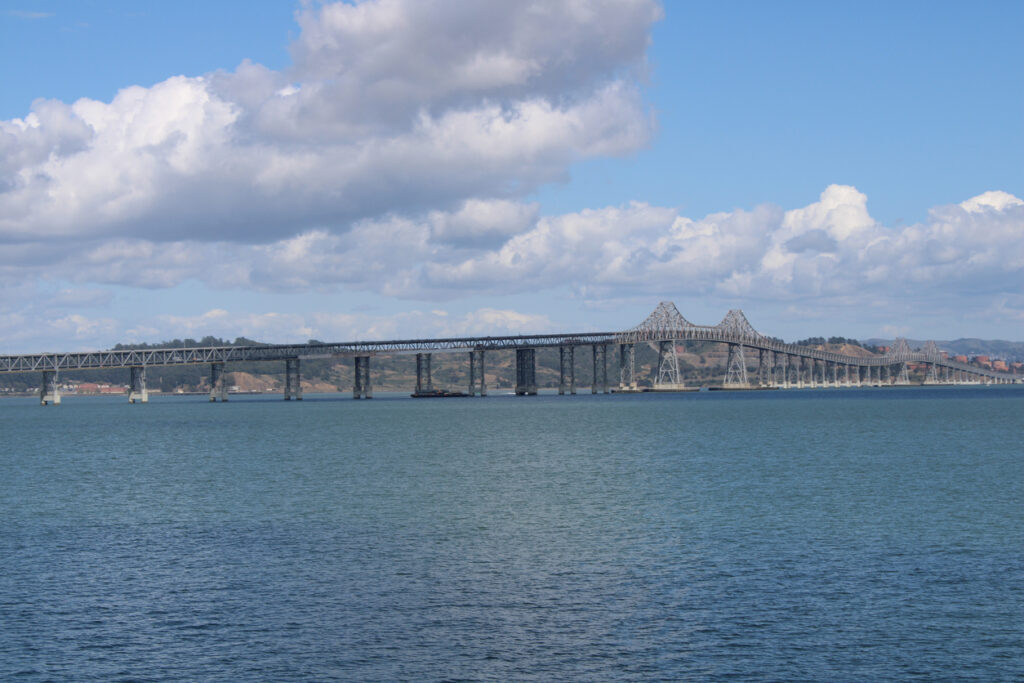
(664, 324)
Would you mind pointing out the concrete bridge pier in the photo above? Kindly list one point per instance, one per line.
(526, 372)
(600, 384)
(566, 370)
(218, 390)
(477, 384)
(49, 394)
(292, 380)
(424, 383)
(137, 385)
(627, 367)
(361, 387)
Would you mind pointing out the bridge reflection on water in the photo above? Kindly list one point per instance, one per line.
(778, 364)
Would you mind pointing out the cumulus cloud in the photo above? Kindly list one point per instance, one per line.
(831, 247)
(391, 106)
(393, 157)
(832, 253)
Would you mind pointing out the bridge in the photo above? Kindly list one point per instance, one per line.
(778, 365)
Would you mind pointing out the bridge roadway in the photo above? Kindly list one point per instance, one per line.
(779, 365)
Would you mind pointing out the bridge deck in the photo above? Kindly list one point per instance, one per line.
(664, 324)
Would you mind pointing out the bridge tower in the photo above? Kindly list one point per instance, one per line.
(736, 369)
(668, 366)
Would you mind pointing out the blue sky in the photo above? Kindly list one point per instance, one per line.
(811, 163)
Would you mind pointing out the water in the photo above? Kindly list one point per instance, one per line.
(802, 535)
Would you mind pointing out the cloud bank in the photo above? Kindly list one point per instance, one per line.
(394, 157)
(390, 106)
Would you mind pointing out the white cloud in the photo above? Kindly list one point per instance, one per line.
(989, 201)
(829, 254)
(392, 106)
(80, 332)
(830, 248)
(393, 157)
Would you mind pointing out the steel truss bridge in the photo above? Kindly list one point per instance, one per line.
(778, 364)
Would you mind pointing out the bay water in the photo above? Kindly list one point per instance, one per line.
(820, 535)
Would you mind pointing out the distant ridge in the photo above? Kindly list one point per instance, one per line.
(995, 348)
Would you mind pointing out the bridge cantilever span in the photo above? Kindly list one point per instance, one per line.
(780, 365)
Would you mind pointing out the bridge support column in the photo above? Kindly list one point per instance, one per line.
(761, 368)
(600, 385)
(476, 373)
(218, 390)
(361, 387)
(480, 369)
(566, 370)
(668, 366)
(785, 370)
(49, 393)
(526, 372)
(902, 376)
(292, 379)
(736, 370)
(137, 385)
(424, 384)
(627, 367)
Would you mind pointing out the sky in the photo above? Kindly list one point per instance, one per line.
(286, 171)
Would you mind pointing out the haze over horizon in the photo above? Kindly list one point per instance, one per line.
(408, 168)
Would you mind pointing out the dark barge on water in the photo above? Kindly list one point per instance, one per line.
(438, 393)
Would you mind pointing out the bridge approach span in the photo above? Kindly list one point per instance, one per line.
(779, 365)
